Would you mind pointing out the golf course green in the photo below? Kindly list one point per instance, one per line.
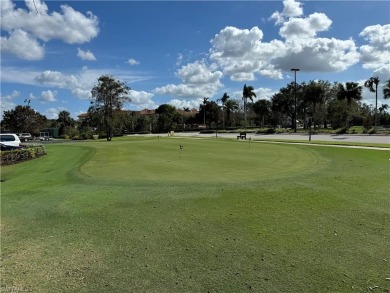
(170, 214)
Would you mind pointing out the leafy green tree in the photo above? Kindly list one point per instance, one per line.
(231, 106)
(109, 94)
(22, 119)
(315, 97)
(283, 107)
(210, 112)
(262, 108)
(168, 118)
(350, 93)
(247, 93)
(386, 90)
(372, 85)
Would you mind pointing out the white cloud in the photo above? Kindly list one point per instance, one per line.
(26, 26)
(291, 9)
(298, 28)
(181, 104)
(261, 93)
(85, 55)
(318, 55)
(23, 45)
(142, 99)
(7, 102)
(132, 61)
(376, 55)
(75, 83)
(79, 83)
(48, 96)
(198, 81)
(52, 113)
(241, 53)
(179, 59)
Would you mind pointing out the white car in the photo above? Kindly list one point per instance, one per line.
(10, 139)
(25, 136)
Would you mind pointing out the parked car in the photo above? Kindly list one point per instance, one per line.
(10, 139)
(5, 147)
(25, 136)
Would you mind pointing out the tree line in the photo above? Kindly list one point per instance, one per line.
(318, 103)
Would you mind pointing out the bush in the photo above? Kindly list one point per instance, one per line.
(17, 156)
(342, 130)
(372, 131)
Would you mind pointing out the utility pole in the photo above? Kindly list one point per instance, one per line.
(295, 97)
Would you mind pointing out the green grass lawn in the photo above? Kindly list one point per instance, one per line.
(141, 215)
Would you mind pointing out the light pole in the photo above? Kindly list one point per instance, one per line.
(204, 111)
(295, 97)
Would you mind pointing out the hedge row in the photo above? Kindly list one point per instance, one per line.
(16, 156)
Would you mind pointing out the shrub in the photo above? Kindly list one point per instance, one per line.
(270, 131)
(372, 131)
(342, 130)
(16, 156)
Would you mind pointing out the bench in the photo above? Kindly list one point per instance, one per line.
(242, 135)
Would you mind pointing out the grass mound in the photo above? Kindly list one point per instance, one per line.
(188, 160)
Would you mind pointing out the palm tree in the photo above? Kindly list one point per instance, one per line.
(64, 120)
(370, 83)
(383, 108)
(352, 91)
(230, 105)
(386, 90)
(224, 99)
(247, 93)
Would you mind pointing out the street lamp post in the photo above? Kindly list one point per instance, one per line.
(295, 97)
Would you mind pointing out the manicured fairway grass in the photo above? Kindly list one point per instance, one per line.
(143, 215)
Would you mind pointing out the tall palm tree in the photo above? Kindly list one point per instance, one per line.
(224, 99)
(372, 85)
(352, 91)
(386, 90)
(230, 105)
(247, 93)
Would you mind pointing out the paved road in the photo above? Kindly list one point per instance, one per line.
(385, 139)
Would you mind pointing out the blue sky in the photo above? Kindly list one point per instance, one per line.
(178, 52)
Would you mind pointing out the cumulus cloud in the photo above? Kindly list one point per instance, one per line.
(52, 113)
(291, 9)
(132, 61)
(242, 54)
(26, 26)
(181, 104)
(48, 96)
(261, 93)
(85, 55)
(298, 28)
(376, 55)
(319, 55)
(142, 99)
(75, 83)
(23, 45)
(199, 80)
(7, 102)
